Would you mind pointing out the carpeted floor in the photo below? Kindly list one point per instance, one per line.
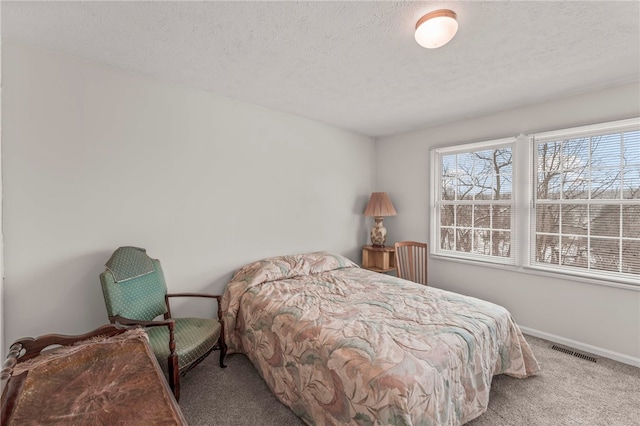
(568, 391)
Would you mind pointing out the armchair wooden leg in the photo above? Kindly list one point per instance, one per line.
(174, 370)
(174, 376)
(223, 353)
(223, 346)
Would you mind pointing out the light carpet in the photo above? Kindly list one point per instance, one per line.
(568, 391)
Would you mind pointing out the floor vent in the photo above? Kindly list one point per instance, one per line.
(575, 353)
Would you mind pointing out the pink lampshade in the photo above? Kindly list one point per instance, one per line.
(380, 205)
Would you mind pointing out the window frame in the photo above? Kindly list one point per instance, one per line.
(619, 126)
(436, 201)
(523, 206)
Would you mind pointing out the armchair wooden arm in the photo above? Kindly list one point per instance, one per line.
(218, 298)
(213, 296)
(128, 321)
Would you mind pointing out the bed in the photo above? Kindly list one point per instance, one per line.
(341, 345)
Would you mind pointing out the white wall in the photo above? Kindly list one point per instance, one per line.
(95, 158)
(2, 347)
(594, 317)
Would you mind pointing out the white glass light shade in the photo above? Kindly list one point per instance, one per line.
(436, 28)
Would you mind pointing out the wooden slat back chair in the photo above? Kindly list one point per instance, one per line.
(411, 261)
(135, 293)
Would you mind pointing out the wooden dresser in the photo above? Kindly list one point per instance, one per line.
(110, 376)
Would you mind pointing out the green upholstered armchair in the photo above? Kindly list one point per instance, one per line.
(135, 293)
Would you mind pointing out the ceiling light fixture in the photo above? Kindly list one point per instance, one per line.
(436, 28)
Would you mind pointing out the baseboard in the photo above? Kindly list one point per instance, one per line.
(616, 356)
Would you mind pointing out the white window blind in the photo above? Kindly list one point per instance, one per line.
(586, 201)
(474, 206)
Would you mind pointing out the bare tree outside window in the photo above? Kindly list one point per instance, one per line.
(476, 202)
(577, 211)
(587, 209)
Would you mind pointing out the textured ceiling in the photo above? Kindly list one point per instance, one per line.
(353, 64)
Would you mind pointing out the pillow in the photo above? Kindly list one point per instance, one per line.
(322, 261)
(271, 269)
(289, 266)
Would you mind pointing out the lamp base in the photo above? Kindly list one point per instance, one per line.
(378, 233)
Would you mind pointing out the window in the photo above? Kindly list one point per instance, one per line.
(566, 201)
(475, 203)
(587, 201)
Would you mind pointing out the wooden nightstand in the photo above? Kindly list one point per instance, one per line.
(379, 259)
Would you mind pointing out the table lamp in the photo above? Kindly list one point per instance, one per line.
(379, 206)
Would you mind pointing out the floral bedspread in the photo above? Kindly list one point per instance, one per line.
(343, 345)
